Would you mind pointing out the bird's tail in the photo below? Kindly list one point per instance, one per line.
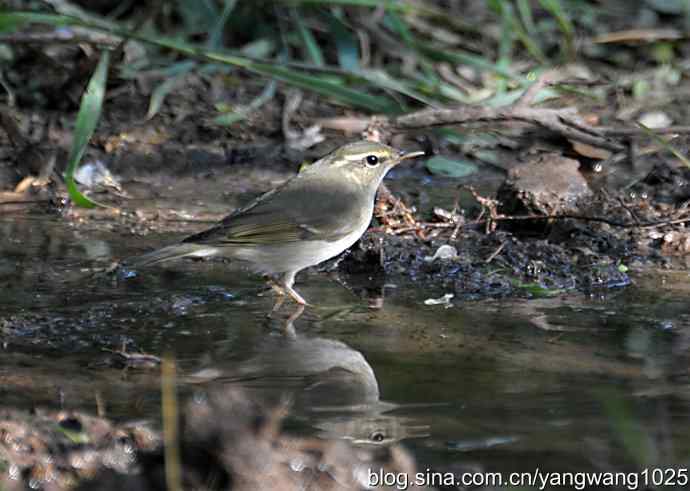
(168, 253)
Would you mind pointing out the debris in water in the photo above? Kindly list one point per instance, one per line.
(444, 300)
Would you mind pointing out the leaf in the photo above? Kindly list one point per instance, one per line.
(474, 138)
(443, 166)
(87, 119)
(537, 290)
(259, 48)
(77, 437)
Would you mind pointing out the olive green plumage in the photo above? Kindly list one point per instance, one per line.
(312, 217)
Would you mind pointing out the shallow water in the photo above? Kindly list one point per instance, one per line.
(571, 383)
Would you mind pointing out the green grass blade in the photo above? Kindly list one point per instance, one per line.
(316, 83)
(17, 20)
(87, 119)
(171, 424)
(159, 93)
(665, 144)
(399, 6)
(216, 34)
(393, 20)
(381, 79)
(326, 87)
(238, 114)
(312, 48)
(525, 11)
(525, 32)
(505, 45)
(555, 8)
(282, 73)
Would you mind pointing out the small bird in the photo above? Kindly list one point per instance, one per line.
(312, 217)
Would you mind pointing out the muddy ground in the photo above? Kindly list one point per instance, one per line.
(161, 165)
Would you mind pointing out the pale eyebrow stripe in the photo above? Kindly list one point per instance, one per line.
(360, 156)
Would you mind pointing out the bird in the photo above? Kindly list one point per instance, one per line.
(312, 217)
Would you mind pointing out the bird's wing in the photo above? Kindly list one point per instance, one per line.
(289, 214)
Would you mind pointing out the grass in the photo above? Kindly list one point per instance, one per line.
(169, 407)
(376, 56)
(324, 40)
(87, 119)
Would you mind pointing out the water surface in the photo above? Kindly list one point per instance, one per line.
(571, 383)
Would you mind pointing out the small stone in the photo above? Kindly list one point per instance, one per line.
(446, 251)
(547, 184)
(655, 119)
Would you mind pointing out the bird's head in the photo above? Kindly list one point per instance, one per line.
(364, 162)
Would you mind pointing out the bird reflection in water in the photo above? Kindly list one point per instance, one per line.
(331, 386)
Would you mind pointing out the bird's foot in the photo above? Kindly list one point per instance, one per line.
(283, 289)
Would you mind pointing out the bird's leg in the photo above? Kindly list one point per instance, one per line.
(288, 281)
(280, 291)
(273, 285)
(276, 306)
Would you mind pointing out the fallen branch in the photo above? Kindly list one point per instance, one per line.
(668, 130)
(563, 121)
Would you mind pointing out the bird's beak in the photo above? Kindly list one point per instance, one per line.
(409, 155)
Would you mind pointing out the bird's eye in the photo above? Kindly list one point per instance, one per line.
(377, 436)
(372, 160)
